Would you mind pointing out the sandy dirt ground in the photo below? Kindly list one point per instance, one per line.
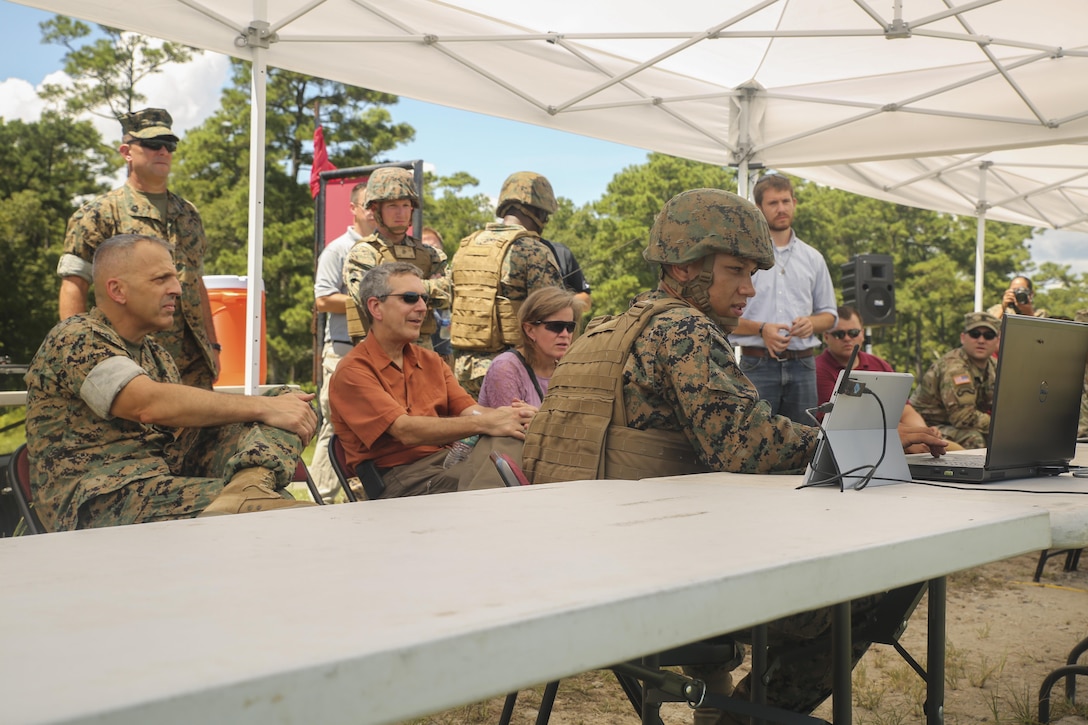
(1005, 635)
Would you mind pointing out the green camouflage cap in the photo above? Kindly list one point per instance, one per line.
(390, 183)
(1080, 316)
(529, 188)
(148, 123)
(701, 222)
(980, 319)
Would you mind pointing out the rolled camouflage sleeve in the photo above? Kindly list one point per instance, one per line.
(440, 284)
(360, 260)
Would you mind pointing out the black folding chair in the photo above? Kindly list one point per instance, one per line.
(366, 472)
(19, 475)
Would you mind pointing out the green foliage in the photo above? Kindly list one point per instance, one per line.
(453, 213)
(211, 169)
(48, 164)
(608, 237)
(105, 72)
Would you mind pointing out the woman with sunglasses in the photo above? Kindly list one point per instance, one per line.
(547, 320)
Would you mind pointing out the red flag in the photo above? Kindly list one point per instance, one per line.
(321, 161)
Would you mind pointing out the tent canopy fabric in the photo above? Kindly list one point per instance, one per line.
(792, 84)
(897, 99)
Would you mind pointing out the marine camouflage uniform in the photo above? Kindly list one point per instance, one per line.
(364, 256)
(682, 375)
(88, 469)
(127, 211)
(528, 266)
(956, 396)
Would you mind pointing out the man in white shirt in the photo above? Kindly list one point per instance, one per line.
(794, 303)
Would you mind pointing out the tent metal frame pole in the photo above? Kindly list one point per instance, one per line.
(258, 33)
(980, 235)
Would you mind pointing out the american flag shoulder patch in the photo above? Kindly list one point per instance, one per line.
(962, 379)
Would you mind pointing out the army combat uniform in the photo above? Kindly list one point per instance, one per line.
(127, 211)
(494, 270)
(90, 469)
(956, 396)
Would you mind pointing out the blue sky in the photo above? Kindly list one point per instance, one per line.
(448, 140)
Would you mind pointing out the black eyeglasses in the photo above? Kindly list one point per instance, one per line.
(977, 333)
(840, 334)
(557, 326)
(154, 144)
(410, 298)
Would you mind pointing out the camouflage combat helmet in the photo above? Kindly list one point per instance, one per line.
(528, 188)
(701, 222)
(390, 183)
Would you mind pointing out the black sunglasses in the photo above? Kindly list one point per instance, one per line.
(154, 144)
(840, 334)
(977, 333)
(410, 298)
(557, 326)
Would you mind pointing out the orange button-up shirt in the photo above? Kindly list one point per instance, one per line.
(368, 392)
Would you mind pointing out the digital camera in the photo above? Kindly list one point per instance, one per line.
(1023, 297)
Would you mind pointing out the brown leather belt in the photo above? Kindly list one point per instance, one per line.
(784, 355)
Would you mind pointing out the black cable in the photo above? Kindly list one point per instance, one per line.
(884, 442)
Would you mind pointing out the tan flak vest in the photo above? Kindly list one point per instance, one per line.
(393, 253)
(482, 320)
(581, 430)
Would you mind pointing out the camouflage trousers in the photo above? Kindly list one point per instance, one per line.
(966, 437)
(200, 462)
(470, 367)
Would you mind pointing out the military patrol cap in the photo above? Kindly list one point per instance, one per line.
(390, 183)
(980, 319)
(700, 222)
(148, 123)
(529, 188)
(1080, 316)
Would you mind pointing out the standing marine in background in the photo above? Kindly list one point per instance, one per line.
(494, 270)
(143, 205)
(391, 197)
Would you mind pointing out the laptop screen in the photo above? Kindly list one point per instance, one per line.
(1040, 378)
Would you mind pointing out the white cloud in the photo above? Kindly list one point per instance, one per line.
(1061, 247)
(19, 101)
(190, 91)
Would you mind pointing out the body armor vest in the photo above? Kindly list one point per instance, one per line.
(581, 430)
(421, 258)
(482, 320)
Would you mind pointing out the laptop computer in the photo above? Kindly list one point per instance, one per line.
(1033, 425)
(859, 442)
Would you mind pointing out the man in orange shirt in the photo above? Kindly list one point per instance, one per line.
(399, 405)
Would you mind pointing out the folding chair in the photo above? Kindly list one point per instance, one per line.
(302, 473)
(366, 472)
(1072, 560)
(339, 458)
(508, 469)
(19, 475)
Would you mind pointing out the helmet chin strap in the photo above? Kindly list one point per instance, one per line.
(695, 293)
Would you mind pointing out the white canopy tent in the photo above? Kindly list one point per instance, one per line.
(898, 99)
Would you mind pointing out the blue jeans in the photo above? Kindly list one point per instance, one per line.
(788, 385)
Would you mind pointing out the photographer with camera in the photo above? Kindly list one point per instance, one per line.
(1018, 299)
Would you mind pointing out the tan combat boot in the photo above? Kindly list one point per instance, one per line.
(251, 489)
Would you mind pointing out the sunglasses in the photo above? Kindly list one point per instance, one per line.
(840, 334)
(154, 144)
(557, 326)
(410, 298)
(977, 333)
